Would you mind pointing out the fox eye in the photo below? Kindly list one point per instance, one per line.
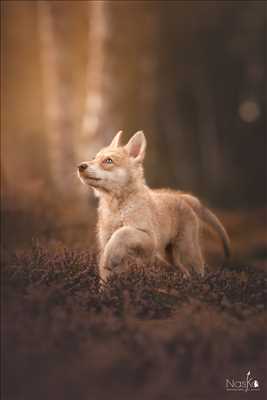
(108, 161)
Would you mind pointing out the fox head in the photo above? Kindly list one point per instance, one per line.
(116, 167)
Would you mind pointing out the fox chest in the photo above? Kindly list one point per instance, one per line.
(107, 224)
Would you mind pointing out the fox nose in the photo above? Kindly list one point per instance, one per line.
(82, 167)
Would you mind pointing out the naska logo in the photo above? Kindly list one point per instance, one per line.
(246, 385)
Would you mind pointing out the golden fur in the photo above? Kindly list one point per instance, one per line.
(136, 221)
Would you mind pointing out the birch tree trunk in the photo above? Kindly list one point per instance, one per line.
(91, 139)
(57, 84)
(121, 72)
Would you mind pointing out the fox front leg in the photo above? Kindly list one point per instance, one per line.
(126, 242)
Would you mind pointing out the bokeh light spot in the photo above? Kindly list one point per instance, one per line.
(249, 111)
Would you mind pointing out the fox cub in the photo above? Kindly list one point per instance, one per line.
(136, 221)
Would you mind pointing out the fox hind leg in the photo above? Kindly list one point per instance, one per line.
(186, 251)
(178, 262)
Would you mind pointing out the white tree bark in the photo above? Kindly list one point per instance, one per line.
(92, 139)
(122, 68)
(57, 87)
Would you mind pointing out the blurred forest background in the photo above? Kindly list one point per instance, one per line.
(191, 74)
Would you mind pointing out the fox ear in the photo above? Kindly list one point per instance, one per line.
(116, 142)
(136, 146)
